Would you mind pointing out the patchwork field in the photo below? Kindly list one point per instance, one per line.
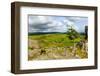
(55, 46)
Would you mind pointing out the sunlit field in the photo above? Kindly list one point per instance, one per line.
(56, 46)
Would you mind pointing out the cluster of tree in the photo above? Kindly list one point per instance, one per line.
(72, 33)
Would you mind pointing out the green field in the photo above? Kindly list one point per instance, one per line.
(54, 46)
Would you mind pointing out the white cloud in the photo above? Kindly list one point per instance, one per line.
(55, 23)
(45, 24)
(35, 20)
(71, 24)
(68, 22)
(74, 18)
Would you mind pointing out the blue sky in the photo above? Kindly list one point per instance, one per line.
(56, 23)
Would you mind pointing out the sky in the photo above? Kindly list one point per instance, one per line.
(41, 23)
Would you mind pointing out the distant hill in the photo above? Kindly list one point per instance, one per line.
(38, 33)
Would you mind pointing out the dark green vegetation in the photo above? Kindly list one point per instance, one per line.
(55, 46)
(72, 34)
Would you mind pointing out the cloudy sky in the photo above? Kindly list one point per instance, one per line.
(55, 23)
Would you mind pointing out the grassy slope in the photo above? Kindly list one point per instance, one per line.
(49, 40)
(56, 40)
